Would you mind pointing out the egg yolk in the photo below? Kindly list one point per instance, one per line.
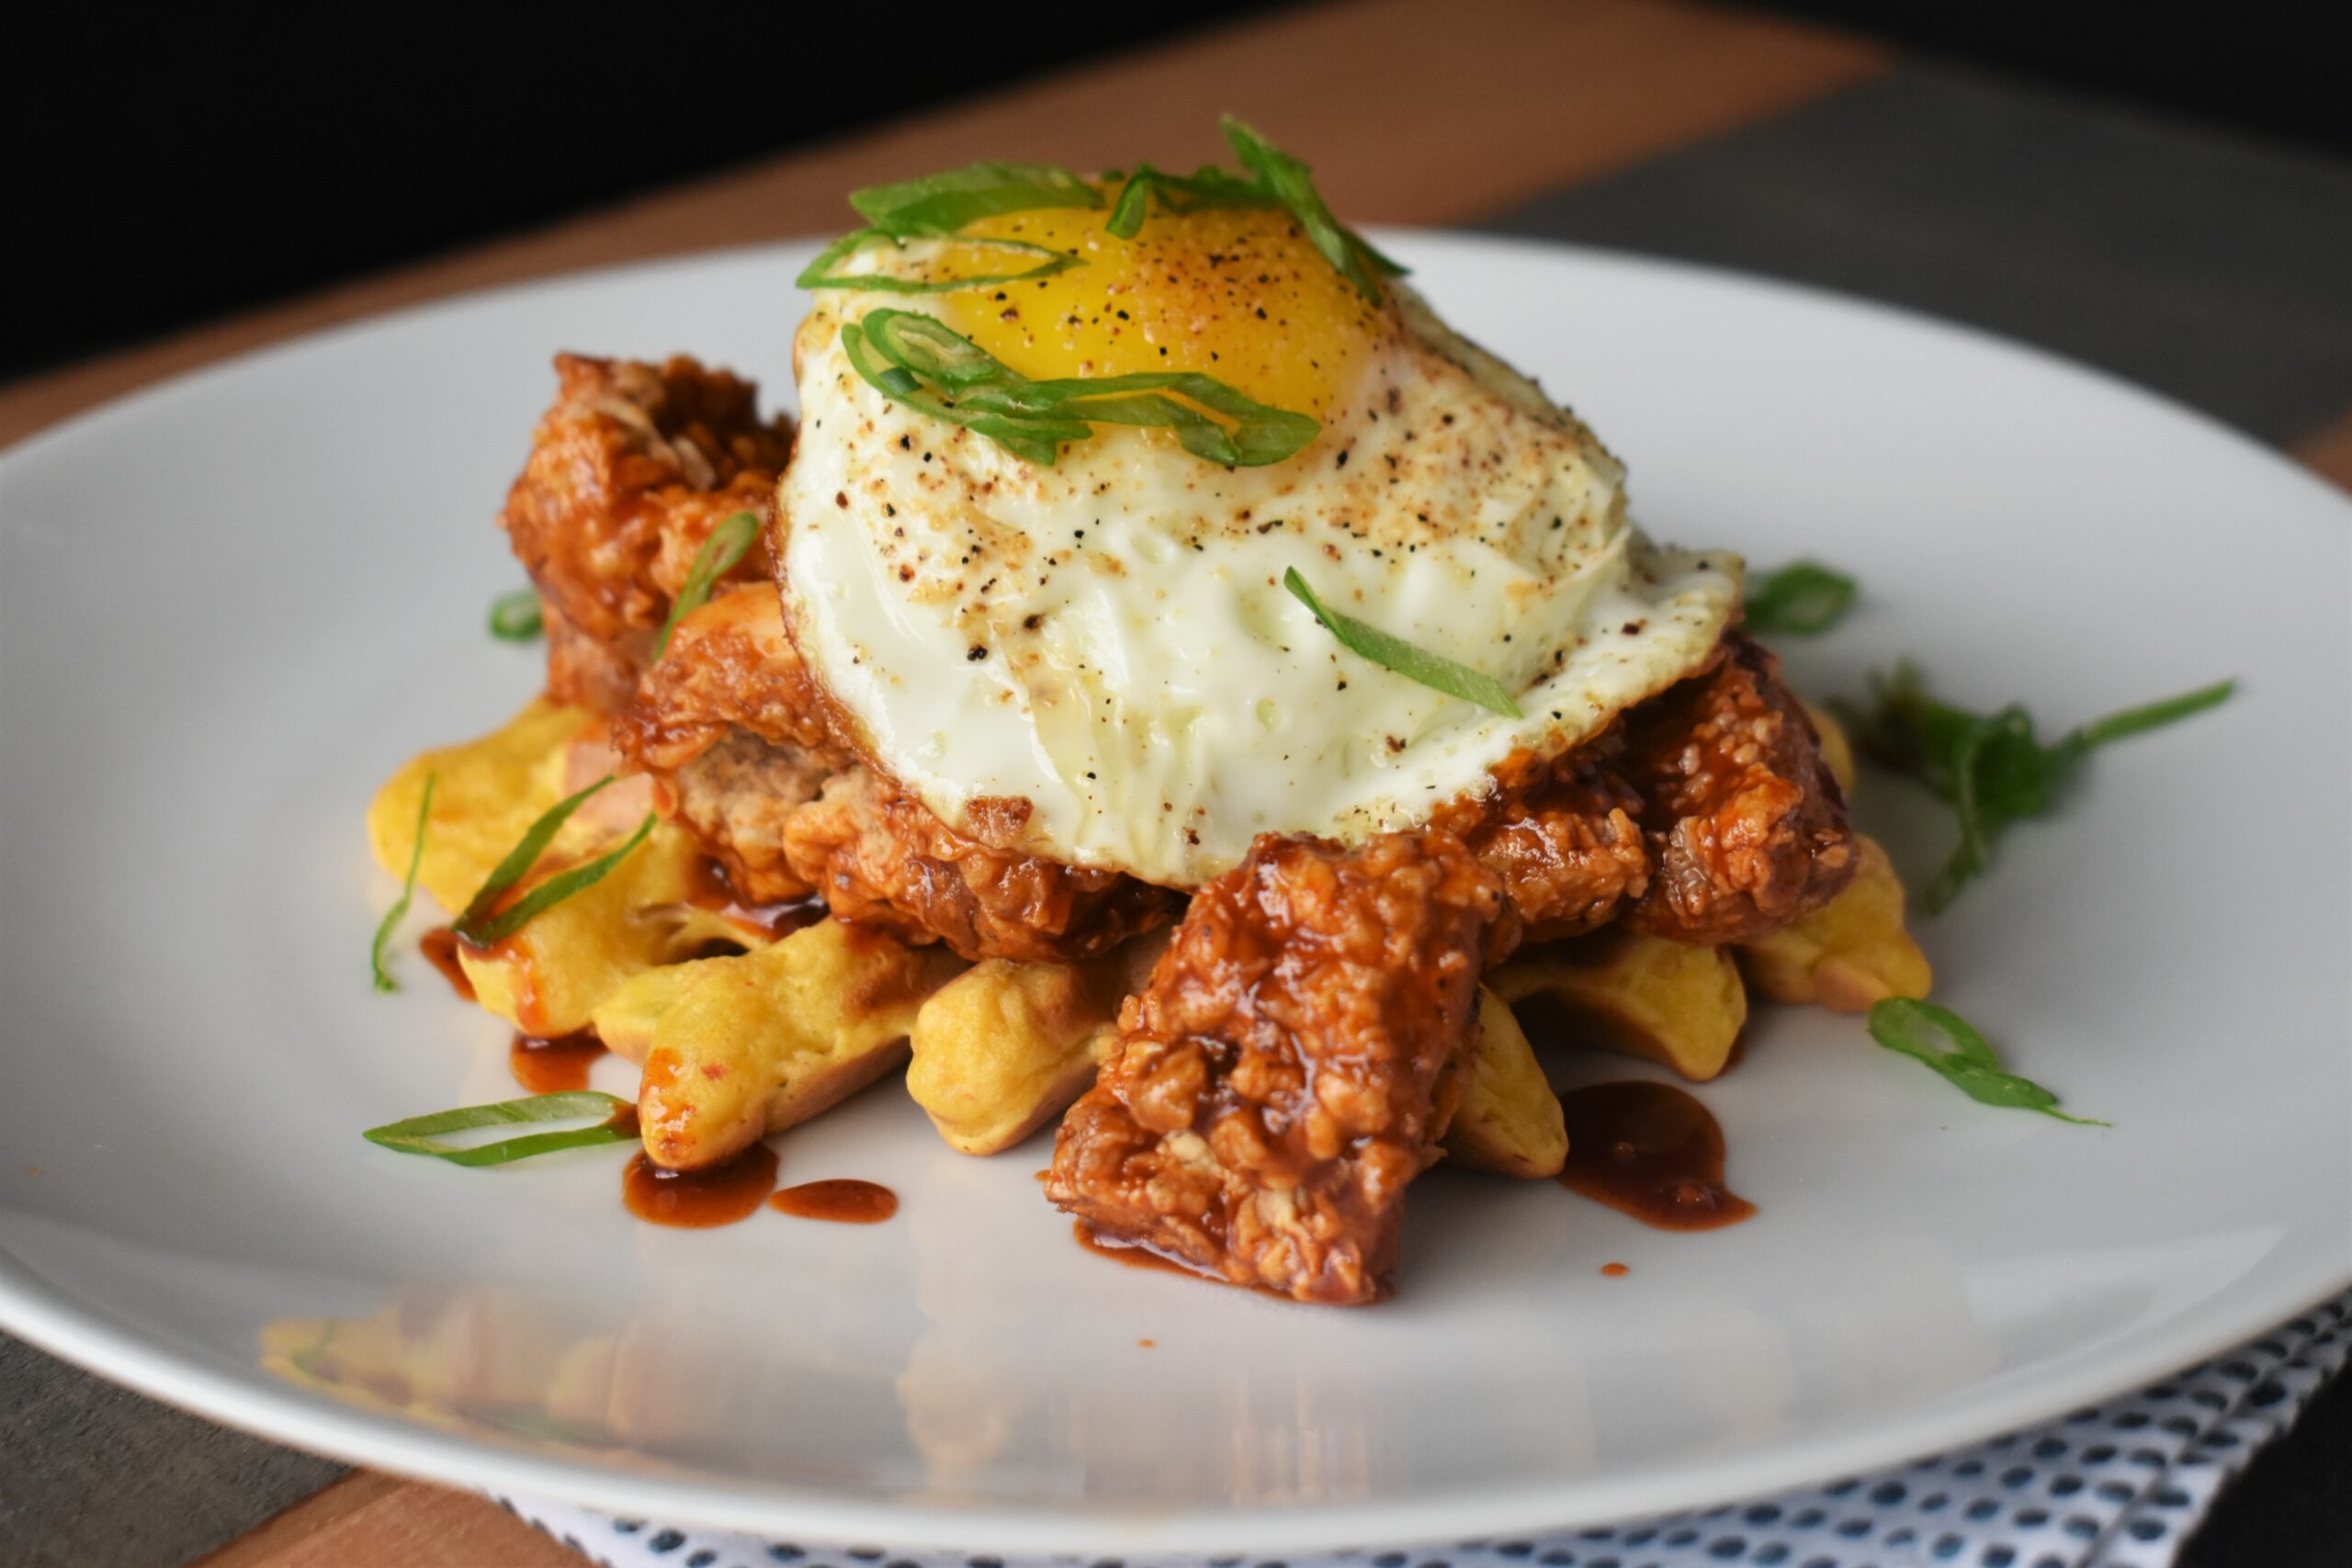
(1238, 294)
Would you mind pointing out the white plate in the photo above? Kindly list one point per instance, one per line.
(234, 604)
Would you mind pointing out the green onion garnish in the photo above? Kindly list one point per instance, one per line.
(1432, 670)
(1990, 767)
(1911, 1028)
(942, 204)
(479, 926)
(713, 561)
(399, 911)
(416, 1136)
(1800, 599)
(1293, 184)
(818, 273)
(1207, 187)
(920, 362)
(515, 618)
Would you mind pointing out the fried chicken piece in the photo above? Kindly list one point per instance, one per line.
(583, 673)
(741, 799)
(631, 470)
(1746, 828)
(1565, 838)
(728, 726)
(878, 854)
(1287, 1070)
(729, 665)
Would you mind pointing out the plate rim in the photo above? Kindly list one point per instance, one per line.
(89, 1335)
(43, 1316)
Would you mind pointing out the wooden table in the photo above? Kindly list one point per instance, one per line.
(1662, 126)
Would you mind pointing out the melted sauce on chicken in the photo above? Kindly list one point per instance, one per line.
(698, 1200)
(843, 1201)
(1651, 1151)
(713, 890)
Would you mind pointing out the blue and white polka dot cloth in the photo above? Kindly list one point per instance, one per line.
(2119, 1485)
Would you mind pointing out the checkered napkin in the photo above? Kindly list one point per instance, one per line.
(2118, 1485)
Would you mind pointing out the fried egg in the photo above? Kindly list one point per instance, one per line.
(1105, 644)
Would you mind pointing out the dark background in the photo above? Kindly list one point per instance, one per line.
(170, 164)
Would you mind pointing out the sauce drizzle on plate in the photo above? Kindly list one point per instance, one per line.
(1651, 1151)
(698, 1200)
(554, 1067)
(842, 1200)
(439, 946)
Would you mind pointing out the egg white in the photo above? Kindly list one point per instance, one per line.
(1109, 638)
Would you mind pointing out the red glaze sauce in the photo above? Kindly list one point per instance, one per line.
(439, 946)
(554, 1067)
(1133, 1257)
(712, 890)
(1649, 1150)
(698, 1200)
(843, 1201)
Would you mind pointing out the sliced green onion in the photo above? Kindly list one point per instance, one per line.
(553, 891)
(399, 911)
(818, 273)
(1991, 767)
(1209, 188)
(515, 617)
(479, 926)
(417, 1135)
(919, 361)
(1038, 441)
(1800, 599)
(1433, 671)
(1914, 1028)
(716, 557)
(1292, 183)
(941, 204)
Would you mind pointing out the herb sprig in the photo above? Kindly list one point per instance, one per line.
(920, 362)
(716, 557)
(484, 928)
(1804, 598)
(399, 911)
(418, 1135)
(1990, 767)
(516, 617)
(1968, 1062)
(1432, 670)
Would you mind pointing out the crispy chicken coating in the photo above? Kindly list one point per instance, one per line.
(729, 667)
(728, 728)
(1746, 828)
(732, 727)
(878, 854)
(1707, 816)
(1564, 836)
(631, 470)
(1285, 1073)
